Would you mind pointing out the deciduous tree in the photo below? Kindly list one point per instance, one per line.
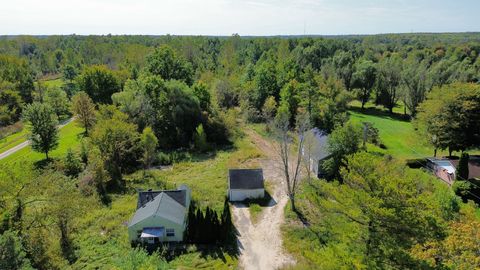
(43, 127)
(99, 83)
(84, 110)
(364, 80)
(149, 145)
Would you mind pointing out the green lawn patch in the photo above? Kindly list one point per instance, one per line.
(53, 82)
(24, 160)
(397, 134)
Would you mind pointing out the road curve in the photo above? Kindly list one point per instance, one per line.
(27, 142)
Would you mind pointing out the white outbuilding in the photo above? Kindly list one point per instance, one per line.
(161, 216)
(245, 184)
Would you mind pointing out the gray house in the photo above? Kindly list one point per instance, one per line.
(315, 150)
(161, 216)
(245, 184)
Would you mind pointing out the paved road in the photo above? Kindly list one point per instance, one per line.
(27, 142)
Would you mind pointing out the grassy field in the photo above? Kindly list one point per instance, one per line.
(24, 160)
(101, 238)
(396, 133)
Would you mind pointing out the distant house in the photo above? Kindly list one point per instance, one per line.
(445, 168)
(245, 184)
(442, 168)
(161, 216)
(315, 150)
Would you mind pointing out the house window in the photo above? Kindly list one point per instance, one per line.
(170, 232)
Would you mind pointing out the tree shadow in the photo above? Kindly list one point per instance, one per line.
(43, 164)
(381, 113)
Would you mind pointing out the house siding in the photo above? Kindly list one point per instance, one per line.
(157, 221)
(237, 195)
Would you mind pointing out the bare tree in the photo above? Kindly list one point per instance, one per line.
(287, 138)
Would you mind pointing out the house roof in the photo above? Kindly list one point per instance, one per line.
(179, 195)
(317, 141)
(163, 206)
(245, 178)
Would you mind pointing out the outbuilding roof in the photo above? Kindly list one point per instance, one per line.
(245, 178)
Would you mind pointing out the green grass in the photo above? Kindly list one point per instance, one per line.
(56, 82)
(25, 159)
(206, 175)
(13, 140)
(102, 238)
(398, 135)
(255, 210)
(260, 128)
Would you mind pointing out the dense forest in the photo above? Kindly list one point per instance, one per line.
(145, 101)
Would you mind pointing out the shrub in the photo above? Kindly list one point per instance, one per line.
(200, 139)
(72, 164)
(9, 130)
(462, 170)
(163, 159)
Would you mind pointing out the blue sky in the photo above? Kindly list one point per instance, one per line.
(245, 17)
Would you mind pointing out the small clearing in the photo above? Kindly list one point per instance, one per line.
(260, 244)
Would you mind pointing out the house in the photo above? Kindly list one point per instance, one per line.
(442, 168)
(161, 216)
(315, 150)
(245, 184)
(445, 168)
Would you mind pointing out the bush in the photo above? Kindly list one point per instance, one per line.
(72, 164)
(163, 159)
(200, 139)
(372, 134)
(12, 254)
(9, 130)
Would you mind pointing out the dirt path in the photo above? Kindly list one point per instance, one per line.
(261, 243)
(27, 142)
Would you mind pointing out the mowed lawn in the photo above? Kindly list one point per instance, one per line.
(399, 137)
(24, 160)
(397, 134)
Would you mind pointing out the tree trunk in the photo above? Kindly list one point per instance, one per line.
(450, 151)
(435, 152)
(292, 203)
(46, 155)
